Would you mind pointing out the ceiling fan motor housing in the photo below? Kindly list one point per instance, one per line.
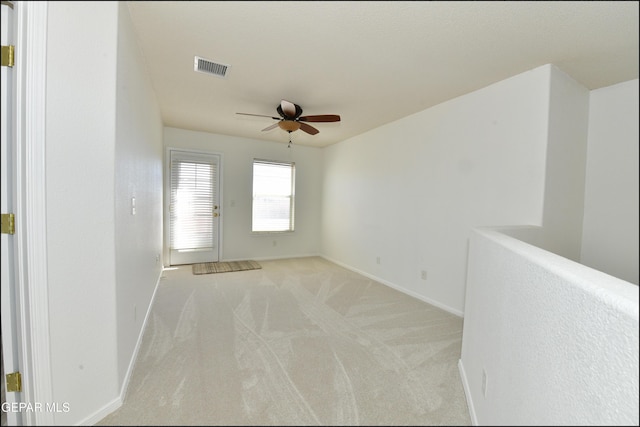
(283, 114)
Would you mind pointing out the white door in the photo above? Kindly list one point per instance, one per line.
(194, 207)
(10, 347)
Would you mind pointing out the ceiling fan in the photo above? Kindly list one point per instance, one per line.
(291, 118)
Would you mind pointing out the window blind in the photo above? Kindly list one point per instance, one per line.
(191, 206)
(273, 196)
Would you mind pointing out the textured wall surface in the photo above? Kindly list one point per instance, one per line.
(546, 340)
(80, 205)
(610, 235)
(402, 199)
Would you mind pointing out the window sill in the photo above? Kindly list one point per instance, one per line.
(260, 233)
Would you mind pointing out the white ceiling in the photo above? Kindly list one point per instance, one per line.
(371, 62)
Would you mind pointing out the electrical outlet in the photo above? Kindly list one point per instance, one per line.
(484, 382)
(377, 260)
(423, 275)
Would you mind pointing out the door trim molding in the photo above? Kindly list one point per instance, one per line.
(31, 227)
(167, 198)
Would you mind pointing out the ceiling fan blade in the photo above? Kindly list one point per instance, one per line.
(288, 108)
(275, 125)
(258, 115)
(320, 118)
(308, 128)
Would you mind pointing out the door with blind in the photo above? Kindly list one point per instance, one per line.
(194, 207)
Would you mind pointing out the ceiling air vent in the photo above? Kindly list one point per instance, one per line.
(209, 67)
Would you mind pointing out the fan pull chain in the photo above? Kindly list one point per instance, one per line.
(289, 146)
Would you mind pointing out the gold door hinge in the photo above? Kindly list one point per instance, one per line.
(8, 224)
(7, 55)
(14, 381)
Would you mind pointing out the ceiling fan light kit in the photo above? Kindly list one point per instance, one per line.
(289, 125)
(291, 119)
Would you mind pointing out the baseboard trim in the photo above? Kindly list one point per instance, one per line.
(132, 362)
(270, 258)
(101, 413)
(467, 393)
(118, 401)
(396, 287)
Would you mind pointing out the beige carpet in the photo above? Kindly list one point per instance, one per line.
(298, 342)
(224, 267)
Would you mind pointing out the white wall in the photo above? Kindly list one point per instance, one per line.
(558, 340)
(80, 154)
(238, 242)
(610, 235)
(138, 174)
(104, 145)
(565, 165)
(411, 191)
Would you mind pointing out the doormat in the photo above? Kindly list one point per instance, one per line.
(224, 267)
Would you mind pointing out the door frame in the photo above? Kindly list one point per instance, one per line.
(167, 198)
(29, 188)
(11, 361)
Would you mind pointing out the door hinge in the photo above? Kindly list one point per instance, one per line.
(14, 381)
(8, 224)
(7, 55)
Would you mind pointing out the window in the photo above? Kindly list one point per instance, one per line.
(273, 196)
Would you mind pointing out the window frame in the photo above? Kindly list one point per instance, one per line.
(291, 195)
